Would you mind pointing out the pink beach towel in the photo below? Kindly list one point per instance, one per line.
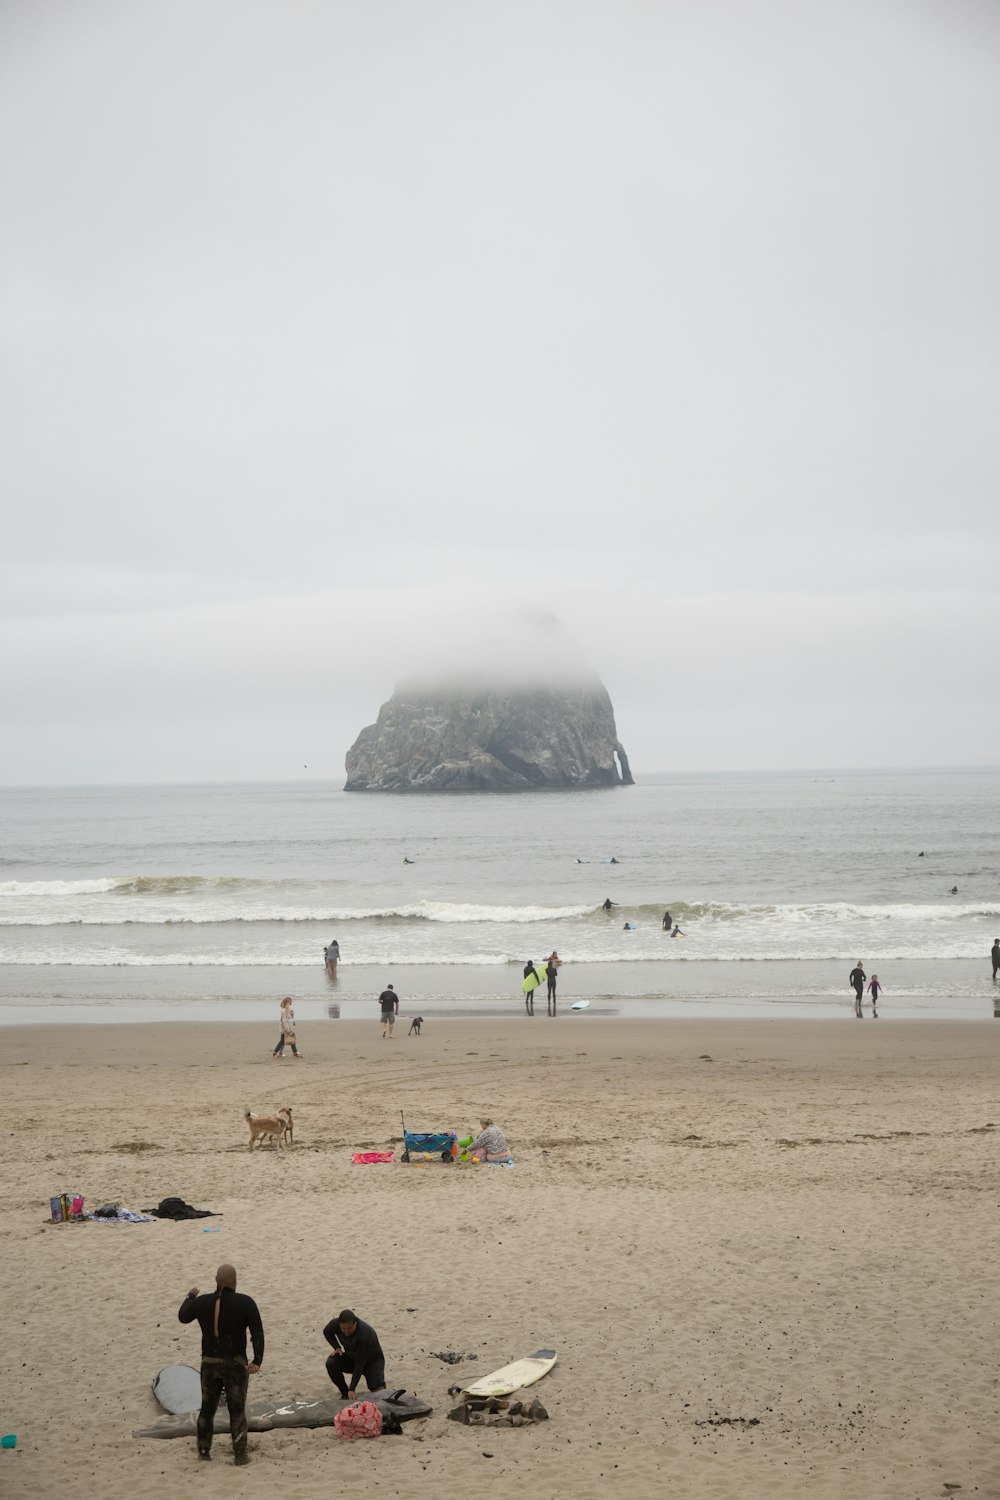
(370, 1158)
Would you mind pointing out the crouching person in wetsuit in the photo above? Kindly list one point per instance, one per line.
(225, 1316)
(356, 1352)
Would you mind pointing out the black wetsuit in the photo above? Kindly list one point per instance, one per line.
(224, 1360)
(995, 955)
(857, 977)
(358, 1353)
(550, 979)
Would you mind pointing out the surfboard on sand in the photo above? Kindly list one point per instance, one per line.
(580, 1005)
(262, 1416)
(514, 1377)
(178, 1389)
(533, 980)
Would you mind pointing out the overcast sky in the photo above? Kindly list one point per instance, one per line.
(331, 330)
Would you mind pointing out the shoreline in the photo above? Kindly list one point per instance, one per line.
(185, 994)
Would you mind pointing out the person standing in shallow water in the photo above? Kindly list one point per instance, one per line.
(995, 955)
(551, 966)
(529, 995)
(331, 957)
(857, 978)
(874, 989)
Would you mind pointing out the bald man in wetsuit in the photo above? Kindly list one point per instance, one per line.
(225, 1316)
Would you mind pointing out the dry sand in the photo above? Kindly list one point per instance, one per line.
(766, 1252)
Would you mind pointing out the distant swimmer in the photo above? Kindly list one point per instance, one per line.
(612, 860)
(995, 955)
(857, 978)
(583, 861)
(953, 891)
(408, 861)
(608, 904)
(921, 854)
(629, 927)
(676, 933)
(667, 921)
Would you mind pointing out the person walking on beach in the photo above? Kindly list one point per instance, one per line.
(356, 1352)
(287, 1033)
(875, 989)
(226, 1316)
(995, 955)
(857, 978)
(389, 1004)
(331, 957)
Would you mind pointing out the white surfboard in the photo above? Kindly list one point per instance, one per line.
(580, 1005)
(178, 1389)
(514, 1377)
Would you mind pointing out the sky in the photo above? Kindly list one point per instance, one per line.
(335, 337)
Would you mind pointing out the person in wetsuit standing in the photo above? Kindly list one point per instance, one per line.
(225, 1316)
(857, 978)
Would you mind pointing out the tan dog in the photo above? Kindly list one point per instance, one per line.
(286, 1113)
(266, 1125)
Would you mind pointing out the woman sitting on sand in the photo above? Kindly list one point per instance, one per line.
(490, 1144)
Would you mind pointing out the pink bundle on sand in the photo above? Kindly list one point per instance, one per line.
(369, 1158)
(362, 1420)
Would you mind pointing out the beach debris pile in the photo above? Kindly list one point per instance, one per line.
(497, 1412)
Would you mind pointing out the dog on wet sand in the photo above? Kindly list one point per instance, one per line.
(415, 1026)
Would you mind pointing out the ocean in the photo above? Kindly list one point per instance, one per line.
(188, 902)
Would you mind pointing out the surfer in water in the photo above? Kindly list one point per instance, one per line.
(608, 903)
(667, 921)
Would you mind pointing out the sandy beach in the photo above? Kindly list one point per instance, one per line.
(766, 1252)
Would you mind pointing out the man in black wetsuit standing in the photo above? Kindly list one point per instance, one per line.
(857, 977)
(995, 955)
(356, 1351)
(225, 1316)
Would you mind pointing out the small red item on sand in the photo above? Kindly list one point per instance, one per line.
(370, 1158)
(362, 1420)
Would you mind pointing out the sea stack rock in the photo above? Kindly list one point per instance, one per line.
(493, 738)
